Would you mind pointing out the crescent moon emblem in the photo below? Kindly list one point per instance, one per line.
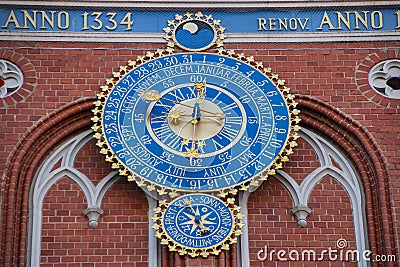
(191, 27)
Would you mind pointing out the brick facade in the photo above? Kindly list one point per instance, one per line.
(330, 82)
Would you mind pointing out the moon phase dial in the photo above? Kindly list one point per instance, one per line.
(194, 32)
(198, 224)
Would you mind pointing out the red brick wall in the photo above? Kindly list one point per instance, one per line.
(330, 81)
(120, 239)
(272, 227)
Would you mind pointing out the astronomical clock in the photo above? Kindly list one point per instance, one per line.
(195, 123)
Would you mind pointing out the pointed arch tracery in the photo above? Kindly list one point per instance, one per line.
(347, 152)
(348, 136)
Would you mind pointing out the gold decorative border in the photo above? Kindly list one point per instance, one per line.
(204, 252)
(277, 164)
(170, 30)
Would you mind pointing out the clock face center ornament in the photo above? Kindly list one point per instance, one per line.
(181, 120)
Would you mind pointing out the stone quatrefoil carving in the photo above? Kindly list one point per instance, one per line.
(384, 78)
(11, 78)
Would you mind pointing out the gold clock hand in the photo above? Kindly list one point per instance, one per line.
(189, 204)
(197, 216)
(199, 222)
(175, 116)
(201, 92)
(178, 115)
(203, 228)
(195, 120)
(154, 95)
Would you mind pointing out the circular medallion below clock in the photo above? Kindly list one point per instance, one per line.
(197, 224)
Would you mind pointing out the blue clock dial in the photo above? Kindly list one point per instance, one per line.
(196, 121)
